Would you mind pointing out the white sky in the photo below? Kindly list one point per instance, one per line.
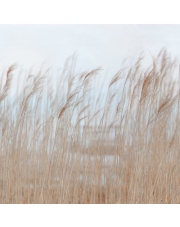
(95, 45)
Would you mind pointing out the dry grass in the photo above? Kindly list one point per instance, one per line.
(62, 142)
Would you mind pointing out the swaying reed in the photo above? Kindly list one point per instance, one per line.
(76, 139)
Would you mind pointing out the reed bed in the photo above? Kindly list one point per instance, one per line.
(78, 137)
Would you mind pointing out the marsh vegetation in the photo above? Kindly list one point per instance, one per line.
(78, 137)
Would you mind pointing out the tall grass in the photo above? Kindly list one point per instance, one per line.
(62, 140)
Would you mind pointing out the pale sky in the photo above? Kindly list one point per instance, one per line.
(95, 45)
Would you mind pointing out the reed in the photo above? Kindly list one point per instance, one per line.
(62, 140)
